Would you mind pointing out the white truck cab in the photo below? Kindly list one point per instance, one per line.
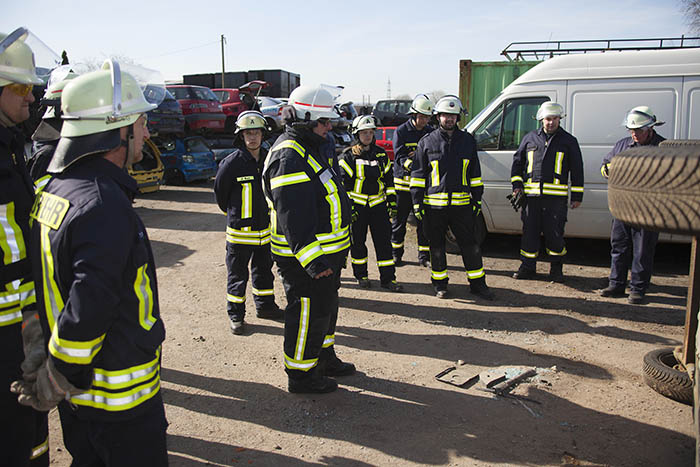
(596, 90)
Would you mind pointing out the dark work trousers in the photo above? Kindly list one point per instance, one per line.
(237, 259)
(632, 248)
(132, 442)
(398, 228)
(544, 215)
(23, 431)
(311, 314)
(375, 218)
(460, 220)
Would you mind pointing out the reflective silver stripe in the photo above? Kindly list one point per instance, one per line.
(246, 200)
(102, 378)
(13, 315)
(366, 162)
(263, 292)
(111, 402)
(303, 328)
(235, 299)
(9, 235)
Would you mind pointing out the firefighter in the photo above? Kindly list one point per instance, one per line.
(542, 165)
(310, 221)
(239, 194)
(48, 132)
(369, 182)
(632, 247)
(24, 430)
(406, 139)
(98, 295)
(446, 189)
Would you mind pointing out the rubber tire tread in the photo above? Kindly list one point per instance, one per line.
(680, 142)
(657, 188)
(666, 380)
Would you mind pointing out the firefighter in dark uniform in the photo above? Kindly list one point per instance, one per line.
(369, 182)
(446, 189)
(632, 248)
(23, 430)
(239, 194)
(48, 132)
(96, 281)
(406, 139)
(310, 221)
(542, 165)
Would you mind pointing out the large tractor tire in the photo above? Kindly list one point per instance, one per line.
(665, 375)
(657, 188)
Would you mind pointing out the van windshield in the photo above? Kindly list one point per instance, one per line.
(508, 124)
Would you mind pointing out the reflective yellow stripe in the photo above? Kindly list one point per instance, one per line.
(396, 245)
(558, 164)
(476, 181)
(78, 352)
(465, 169)
(289, 179)
(332, 198)
(53, 301)
(290, 143)
(359, 177)
(11, 239)
(438, 275)
(358, 260)
(435, 173)
(121, 379)
(390, 191)
(346, 167)
(577, 189)
(328, 341)
(417, 182)
(142, 287)
(407, 164)
(554, 189)
(385, 263)
(530, 161)
(263, 292)
(309, 253)
(40, 450)
(248, 237)
(476, 273)
(516, 178)
(304, 314)
(423, 248)
(246, 200)
(556, 253)
(605, 170)
(527, 254)
(234, 298)
(532, 188)
(114, 402)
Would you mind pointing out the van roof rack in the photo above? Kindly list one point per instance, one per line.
(520, 51)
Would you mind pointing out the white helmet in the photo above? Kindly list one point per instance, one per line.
(251, 120)
(364, 122)
(421, 105)
(550, 109)
(58, 80)
(105, 100)
(311, 103)
(19, 51)
(641, 117)
(449, 104)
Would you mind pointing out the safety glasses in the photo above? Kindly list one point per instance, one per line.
(20, 89)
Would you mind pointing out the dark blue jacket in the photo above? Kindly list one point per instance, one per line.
(406, 139)
(542, 167)
(622, 145)
(98, 297)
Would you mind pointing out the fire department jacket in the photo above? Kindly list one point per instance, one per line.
(310, 210)
(238, 190)
(406, 139)
(16, 285)
(622, 145)
(542, 168)
(446, 171)
(367, 175)
(98, 295)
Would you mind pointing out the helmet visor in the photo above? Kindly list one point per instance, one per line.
(45, 59)
(150, 81)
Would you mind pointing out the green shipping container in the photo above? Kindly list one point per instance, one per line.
(480, 82)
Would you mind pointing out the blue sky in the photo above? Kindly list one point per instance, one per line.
(358, 44)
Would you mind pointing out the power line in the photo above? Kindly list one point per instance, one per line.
(181, 50)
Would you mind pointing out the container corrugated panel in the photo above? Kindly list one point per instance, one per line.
(480, 82)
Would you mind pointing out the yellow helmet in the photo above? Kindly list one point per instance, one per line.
(18, 52)
(641, 117)
(364, 122)
(250, 120)
(421, 105)
(550, 109)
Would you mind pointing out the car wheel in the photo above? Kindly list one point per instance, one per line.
(174, 177)
(657, 188)
(665, 375)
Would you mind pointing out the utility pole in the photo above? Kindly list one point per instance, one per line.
(388, 88)
(223, 65)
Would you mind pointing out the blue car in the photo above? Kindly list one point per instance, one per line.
(186, 159)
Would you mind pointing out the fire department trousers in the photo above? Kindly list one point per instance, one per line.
(398, 228)
(23, 431)
(311, 314)
(460, 220)
(544, 215)
(136, 441)
(237, 259)
(375, 218)
(631, 248)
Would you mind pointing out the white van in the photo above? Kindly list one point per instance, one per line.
(596, 91)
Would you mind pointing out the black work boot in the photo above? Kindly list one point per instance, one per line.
(613, 291)
(270, 311)
(524, 272)
(556, 273)
(330, 365)
(480, 289)
(312, 384)
(636, 297)
(237, 326)
(364, 282)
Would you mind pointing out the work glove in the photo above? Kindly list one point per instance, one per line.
(476, 208)
(392, 209)
(49, 388)
(418, 211)
(354, 215)
(33, 345)
(605, 170)
(517, 199)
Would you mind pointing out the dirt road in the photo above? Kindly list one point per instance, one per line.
(226, 397)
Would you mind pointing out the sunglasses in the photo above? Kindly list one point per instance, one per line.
(20, 89)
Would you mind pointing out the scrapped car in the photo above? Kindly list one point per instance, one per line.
(231, 104)
(221, 147)
(271, 109)
(186, 160)
(200, 106)
(392, 112)
(167, 117)
(385, 139)
(148, 173)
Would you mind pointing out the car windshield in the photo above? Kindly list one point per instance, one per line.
(390, 134)
(264, 101)
(205, 94)
(379, 133)
(403, 107)
(180, 93)
(197, 145)
(221, 95)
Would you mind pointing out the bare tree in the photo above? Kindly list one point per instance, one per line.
(691, 8)
(403, 97)
(436, 95)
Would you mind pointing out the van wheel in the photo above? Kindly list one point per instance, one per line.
(665, 375)
(657, 188)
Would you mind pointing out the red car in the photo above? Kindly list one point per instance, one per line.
(200, 106)
(236, 100)
(385, 139)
